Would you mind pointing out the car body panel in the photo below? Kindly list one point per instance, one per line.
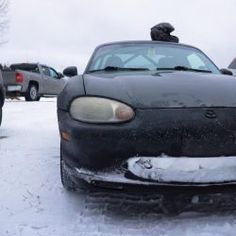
(120, 180)
(164, 90)
(73, 88)
(176, 132)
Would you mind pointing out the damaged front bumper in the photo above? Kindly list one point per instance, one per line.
(129, 181)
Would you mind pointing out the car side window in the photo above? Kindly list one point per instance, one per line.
(53, 73)
(46, 71)
(36, 70)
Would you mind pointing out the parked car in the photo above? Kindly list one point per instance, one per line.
(136, 101)
(32, 81)
(2, 96)
(232, 67)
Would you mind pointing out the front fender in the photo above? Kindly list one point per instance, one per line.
(73, 88)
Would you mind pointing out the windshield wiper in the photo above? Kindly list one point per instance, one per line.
(184, 68)
(115, 68)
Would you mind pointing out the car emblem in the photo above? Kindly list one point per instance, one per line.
(210, 114)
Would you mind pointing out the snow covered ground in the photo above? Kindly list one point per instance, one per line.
(33, 202)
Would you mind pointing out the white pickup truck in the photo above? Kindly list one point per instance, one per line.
(32, 81)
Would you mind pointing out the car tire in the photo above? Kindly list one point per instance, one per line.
(66, 179)
(0, 116)
(32, 93)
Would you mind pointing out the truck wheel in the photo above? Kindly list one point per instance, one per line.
(32, 93)
(0, 116)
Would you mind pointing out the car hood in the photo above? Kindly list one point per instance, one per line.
(164, 90)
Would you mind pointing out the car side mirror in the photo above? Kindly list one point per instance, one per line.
(226, 72)
(70, 71)
(60, 75)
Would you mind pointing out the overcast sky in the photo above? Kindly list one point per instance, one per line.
(65, 32)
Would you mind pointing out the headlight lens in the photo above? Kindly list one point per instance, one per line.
(100, 110)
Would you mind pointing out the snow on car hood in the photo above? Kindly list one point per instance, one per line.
(162, 90)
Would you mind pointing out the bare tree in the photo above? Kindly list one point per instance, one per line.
(3, 19)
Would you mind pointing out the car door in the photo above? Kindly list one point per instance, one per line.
(59, 81)
(50, 83)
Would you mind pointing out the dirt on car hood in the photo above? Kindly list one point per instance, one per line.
(176, 89)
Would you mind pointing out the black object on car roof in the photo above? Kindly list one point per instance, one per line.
(162, 32)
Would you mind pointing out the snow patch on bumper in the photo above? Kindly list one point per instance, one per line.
(184, 170)
(166, 172)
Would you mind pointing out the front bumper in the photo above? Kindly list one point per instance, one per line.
(191, 132)
(120, 180)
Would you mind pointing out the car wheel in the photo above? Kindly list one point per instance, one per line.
(66, 179)
(32, 93)
(0, 116)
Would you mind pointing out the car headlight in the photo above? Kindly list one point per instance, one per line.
(100, 110)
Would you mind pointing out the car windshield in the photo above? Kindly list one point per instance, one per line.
(149, 56)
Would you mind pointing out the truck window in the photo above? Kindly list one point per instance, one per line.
(53, 73)
(46, 71)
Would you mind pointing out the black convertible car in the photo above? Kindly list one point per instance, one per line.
(140, 100)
